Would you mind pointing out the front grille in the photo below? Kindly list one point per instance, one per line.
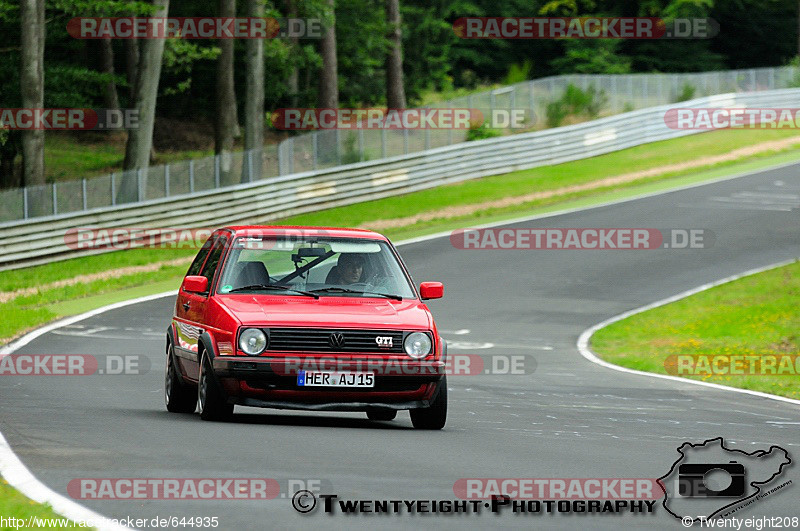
(320, 340)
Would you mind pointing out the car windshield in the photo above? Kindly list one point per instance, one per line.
(314, 266)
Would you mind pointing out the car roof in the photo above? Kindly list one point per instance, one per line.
(297, 230)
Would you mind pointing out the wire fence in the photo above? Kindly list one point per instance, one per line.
(337, 147)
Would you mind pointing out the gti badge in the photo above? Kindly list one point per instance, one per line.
(384, 341)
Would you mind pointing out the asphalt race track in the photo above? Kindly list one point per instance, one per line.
(567, 419)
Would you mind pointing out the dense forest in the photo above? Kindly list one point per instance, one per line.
(371, 52)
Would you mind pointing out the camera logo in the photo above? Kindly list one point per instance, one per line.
(706, 480)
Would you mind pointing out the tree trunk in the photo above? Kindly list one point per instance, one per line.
(225, 123)
(140, 140)
(110, 98)
(293, 82)
(32, 87)
(395, 93)
(9, 177)
(329, 78)
(131, 66)
(254, 99)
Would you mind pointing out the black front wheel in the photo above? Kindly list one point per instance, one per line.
(178, 397)
(210, 398)
(433, 417)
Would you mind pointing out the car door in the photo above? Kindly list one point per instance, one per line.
(190, 311)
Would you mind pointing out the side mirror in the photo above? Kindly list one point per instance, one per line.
(431, 290)
(195, 284)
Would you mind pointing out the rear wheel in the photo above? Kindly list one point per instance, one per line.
(178, 397)
(435, 416)
(381, 414)
(210, 399)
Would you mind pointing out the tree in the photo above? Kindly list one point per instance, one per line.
(32, 87)
(110, 98)
(140, 139)
(254, 97)
(293, 82)
(226, 120)
(328, 97)
(395, 93)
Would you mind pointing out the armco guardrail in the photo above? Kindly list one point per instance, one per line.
(43, 240)
(331, 148)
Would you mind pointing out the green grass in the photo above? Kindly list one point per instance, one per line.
(76, 155)
(549, 177)
(68, 159)
(14, 504)
(753, 316)
(23, 313)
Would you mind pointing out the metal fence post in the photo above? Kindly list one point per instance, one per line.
(532, 100)
(290, 160)
(427, 139)
(383, 143)
(361, 145)
(139, 185)
(55, 199)
(338, 150)
(191, 176)
(314, 148)
(216, 171)
(25, 202)
(250, 166)
(113, 191)
(405, 141)
(645, 96)
(83, 193)
(166, 180)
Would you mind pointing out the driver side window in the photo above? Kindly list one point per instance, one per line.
(211, 264)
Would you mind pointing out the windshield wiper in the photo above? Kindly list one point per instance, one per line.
(274, 287)
(346, 290)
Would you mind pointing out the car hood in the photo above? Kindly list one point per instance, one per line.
(327, 312)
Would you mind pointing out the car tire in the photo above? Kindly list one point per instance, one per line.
(179, 398)
(433, 417)
(210, 399)
(381, 414)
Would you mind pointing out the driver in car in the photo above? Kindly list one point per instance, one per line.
(349, 269)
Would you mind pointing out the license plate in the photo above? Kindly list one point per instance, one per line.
(335, 379)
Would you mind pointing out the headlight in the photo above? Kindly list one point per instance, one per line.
(417, 345)
(252, 341)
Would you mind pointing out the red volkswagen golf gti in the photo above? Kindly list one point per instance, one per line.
(304, 318)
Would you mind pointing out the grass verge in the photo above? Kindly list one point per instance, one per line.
(754, 318)
(13, 504)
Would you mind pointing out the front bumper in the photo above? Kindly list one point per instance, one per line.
(272, 382)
